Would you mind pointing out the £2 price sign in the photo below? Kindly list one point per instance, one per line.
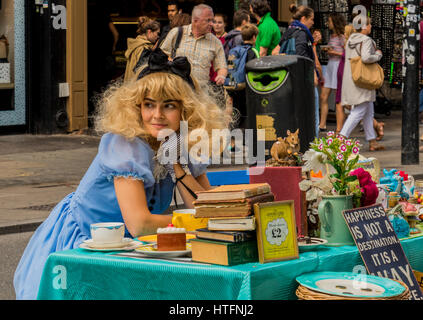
(380, 247)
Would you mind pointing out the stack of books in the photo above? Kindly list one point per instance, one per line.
(230, 237)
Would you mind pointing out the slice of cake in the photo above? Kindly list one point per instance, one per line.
(171, 239)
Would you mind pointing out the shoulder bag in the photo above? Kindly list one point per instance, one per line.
(366, 75)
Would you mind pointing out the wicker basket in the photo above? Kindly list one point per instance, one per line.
(304, 293)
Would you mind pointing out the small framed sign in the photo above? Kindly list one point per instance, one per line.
(379, 246)
(276, 231)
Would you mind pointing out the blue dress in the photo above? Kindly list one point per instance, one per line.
(68, 225)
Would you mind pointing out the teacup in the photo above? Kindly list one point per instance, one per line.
(184, 218)
(107, 232)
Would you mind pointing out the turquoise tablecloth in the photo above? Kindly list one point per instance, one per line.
(81, 274)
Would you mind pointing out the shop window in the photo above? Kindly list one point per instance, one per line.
(7, 86)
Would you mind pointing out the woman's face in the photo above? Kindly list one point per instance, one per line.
(218, 25)
(308, 21)
(153, 36)
(158, 115)
(369, 28)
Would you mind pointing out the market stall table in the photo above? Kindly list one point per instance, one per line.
(80, 274)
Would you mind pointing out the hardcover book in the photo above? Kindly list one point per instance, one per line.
(224, 253)
(232, 192)
(230, 236)
(230, 208)
(232, 224)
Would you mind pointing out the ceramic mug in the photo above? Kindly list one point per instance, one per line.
(333, 226)
(184, 218)
(107, 232)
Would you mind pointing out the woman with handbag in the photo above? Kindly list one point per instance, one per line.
(148, 34)
(361, 56)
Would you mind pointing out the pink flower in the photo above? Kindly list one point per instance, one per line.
(340, 156)
(329, 141)
(343, 147)
(355, 150)
(341, 138)
(348, 142)
(331, 134)
(357, 143)
(320, 146)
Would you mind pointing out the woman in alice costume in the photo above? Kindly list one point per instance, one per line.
(131, 179)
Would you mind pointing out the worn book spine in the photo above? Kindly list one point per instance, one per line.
(232, 192)
(235, 224)
(237, 211)
(232, 236)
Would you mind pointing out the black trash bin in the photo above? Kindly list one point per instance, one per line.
(280, 97)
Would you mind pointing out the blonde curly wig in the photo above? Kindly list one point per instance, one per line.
(119, 108)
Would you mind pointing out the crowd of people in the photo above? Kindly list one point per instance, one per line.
(204, 38)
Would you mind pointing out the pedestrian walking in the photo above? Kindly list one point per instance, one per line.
(173, 9)
(128, 181)
(361, 99)
(340, 112)
(199, 46)
(269, 33)
(234, 38)
(148, 34)
(335, 49)
(299, 33)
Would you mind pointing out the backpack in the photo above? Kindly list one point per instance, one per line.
(236, 66)
(288, 46)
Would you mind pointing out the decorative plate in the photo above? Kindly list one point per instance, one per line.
(350, 284)
(153, 252)
(314, 244)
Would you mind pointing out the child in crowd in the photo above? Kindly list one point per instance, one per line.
(128, 181)
(249, 34)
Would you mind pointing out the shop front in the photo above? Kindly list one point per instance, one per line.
(13, 106)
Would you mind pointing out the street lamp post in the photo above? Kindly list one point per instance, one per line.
(411, 58)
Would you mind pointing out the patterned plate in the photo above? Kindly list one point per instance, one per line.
(350, 284)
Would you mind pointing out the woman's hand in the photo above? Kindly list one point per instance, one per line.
(170, 153)
(317, 36)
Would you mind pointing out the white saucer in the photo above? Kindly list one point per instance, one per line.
(121, 244)
(314, 244)
(126, 245)
(153, 252)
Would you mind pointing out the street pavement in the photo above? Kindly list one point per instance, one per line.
(37, 171)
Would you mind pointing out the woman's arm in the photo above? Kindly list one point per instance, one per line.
(132, 201)
(200, 183)
(263, 51)
(369, 53)
(334, 53)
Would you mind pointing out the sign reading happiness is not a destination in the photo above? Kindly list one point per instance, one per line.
(380, 247)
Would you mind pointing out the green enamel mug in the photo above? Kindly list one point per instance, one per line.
(333, 227)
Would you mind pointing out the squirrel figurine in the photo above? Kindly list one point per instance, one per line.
(286, 147)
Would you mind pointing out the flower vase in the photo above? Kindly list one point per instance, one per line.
(333, 227)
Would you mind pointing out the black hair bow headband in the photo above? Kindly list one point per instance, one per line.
(158, 62)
